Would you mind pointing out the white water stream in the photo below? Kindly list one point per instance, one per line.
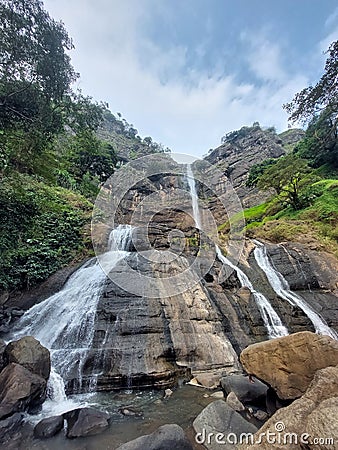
(282, 289)
(65, 322)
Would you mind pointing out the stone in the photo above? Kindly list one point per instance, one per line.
(85, 422)
(260, 415)
(9, 426)
(131, 412)
(20, 390)
(48, 427)
(168, 393)
(208, 380)
(29, 353)
(169, 436)
(217, 394)
(234, 403)
(314, 415)
(218, 418)
(247, 391)
(289, 363)
(2, 351)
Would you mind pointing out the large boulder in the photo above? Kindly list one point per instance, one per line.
(29, 353)
(311, 417)
(169, 436)
(85, 422)
(289, 363)
(217, 422)
(10, 426)
(20, 390)
(48, 427)
(247, 390)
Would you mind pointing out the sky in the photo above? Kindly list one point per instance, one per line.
(185, 72)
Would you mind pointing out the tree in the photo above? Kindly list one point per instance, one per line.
(320, 144)
(313, 99)
(257, 170)
(287, 177)
(35, 70)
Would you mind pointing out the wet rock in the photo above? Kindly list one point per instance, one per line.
(29, 353)
(48, 427)
(169, 436)
(234, 403)
(130, 412)
(2, 350)
(314, 415)
(219, 419)
(168, 393)
(85, 422)
(10, 426)
(289, 363)
(20, 390)
(246, 390)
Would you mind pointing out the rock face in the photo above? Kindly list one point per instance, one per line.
(218, 420)
(240, 151)
(85, 422)
(29, 353)
(48, 427)
(152, 341)
(20, 390)
(289, 363)
(165, 437)
(313, 416)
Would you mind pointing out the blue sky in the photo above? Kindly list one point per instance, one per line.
(187, 71)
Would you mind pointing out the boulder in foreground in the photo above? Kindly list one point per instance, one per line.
(20, 390)
(288, 364)
(29, 353)
(313, 416)
(169, 436)
(85, 422)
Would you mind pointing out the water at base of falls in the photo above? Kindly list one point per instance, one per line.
(282, 289)
(64, 322)
(270, 317)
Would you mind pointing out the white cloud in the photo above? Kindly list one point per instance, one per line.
(188, 113)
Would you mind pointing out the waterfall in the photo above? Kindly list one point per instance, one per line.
(194, 197)
(282, 289)
(64, 322)
(270, 318)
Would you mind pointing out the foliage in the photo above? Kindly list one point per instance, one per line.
(257, 170)
(313, 99)
(287, 178)
(320, 144)
(42, 230)
(35, 69)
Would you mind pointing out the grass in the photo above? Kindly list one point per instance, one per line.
(317, 223)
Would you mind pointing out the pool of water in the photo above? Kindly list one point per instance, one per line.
(181, 408)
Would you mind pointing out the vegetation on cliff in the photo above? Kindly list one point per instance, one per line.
(56, 147)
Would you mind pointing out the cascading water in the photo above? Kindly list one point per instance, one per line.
(194, 197)
(270, 318)
(282, 289)
(64, 322)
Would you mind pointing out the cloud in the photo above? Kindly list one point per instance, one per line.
(157, 90)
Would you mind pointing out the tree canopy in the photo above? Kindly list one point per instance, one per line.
(314, 99)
